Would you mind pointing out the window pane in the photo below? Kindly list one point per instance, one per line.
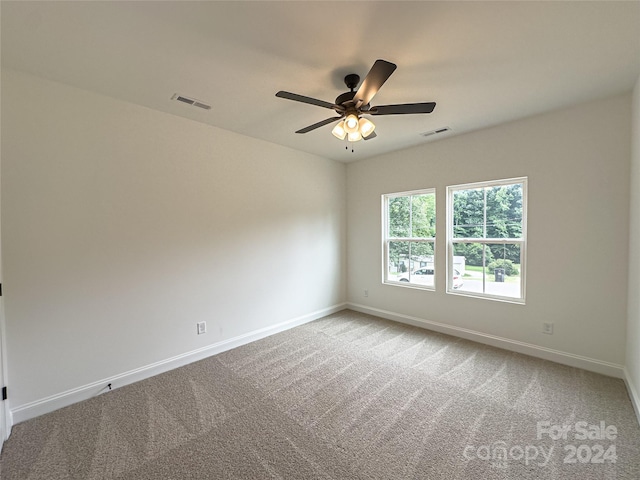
(503, 270)
(421, 259)
(399, 216)
(423, 216)
(411, 262)
(398, 260)
(423, 276)
(468, 267)
(493, 269)
(468, 213)
(504, 211)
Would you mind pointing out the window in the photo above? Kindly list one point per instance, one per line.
(409, 238)
(486, 239)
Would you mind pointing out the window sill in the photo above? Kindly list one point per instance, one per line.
(409, 285)
(495, 298)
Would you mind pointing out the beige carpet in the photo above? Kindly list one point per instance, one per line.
(345, 397)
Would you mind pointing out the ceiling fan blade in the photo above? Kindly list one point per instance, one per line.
(318, 125)
(371, 135)
(311, 101)
(376, 77)
(402, 109)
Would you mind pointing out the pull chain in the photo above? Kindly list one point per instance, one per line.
(346, 147)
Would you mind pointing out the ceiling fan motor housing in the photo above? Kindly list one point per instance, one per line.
(351, 81)
(344, 98)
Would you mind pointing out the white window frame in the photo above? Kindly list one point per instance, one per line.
(520, 241)
(386, 239)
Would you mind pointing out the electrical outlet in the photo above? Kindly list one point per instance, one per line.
(366, 293)
(547, 327)
(202, 327)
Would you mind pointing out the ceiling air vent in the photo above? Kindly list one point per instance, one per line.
(191, 101)
(436, 132)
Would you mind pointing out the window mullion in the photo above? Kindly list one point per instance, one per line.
(484, 268)
(484, 213)
(412, 239)
(410, 215)
(488, 240)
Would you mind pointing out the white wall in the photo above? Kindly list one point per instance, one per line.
(577, 162)
(633, 321)
(123, 227)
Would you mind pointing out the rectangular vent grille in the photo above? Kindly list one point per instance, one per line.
(436, 132)
(191, 101)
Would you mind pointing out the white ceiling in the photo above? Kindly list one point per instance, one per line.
(484, 63)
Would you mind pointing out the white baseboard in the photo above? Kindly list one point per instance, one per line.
(586, 363)
(84, 392)
(634, 393)
(6, 430)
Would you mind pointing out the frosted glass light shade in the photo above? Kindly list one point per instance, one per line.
(339, 131)
(366, 127)
(354, 137)
(351, 123)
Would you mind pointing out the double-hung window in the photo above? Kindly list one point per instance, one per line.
(486, 239)
(409, 238)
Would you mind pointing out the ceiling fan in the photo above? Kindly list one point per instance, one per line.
(351, 106)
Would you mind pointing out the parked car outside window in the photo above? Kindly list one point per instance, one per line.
(424, 276)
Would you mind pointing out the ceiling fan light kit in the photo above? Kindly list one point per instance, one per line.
(352, 105)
